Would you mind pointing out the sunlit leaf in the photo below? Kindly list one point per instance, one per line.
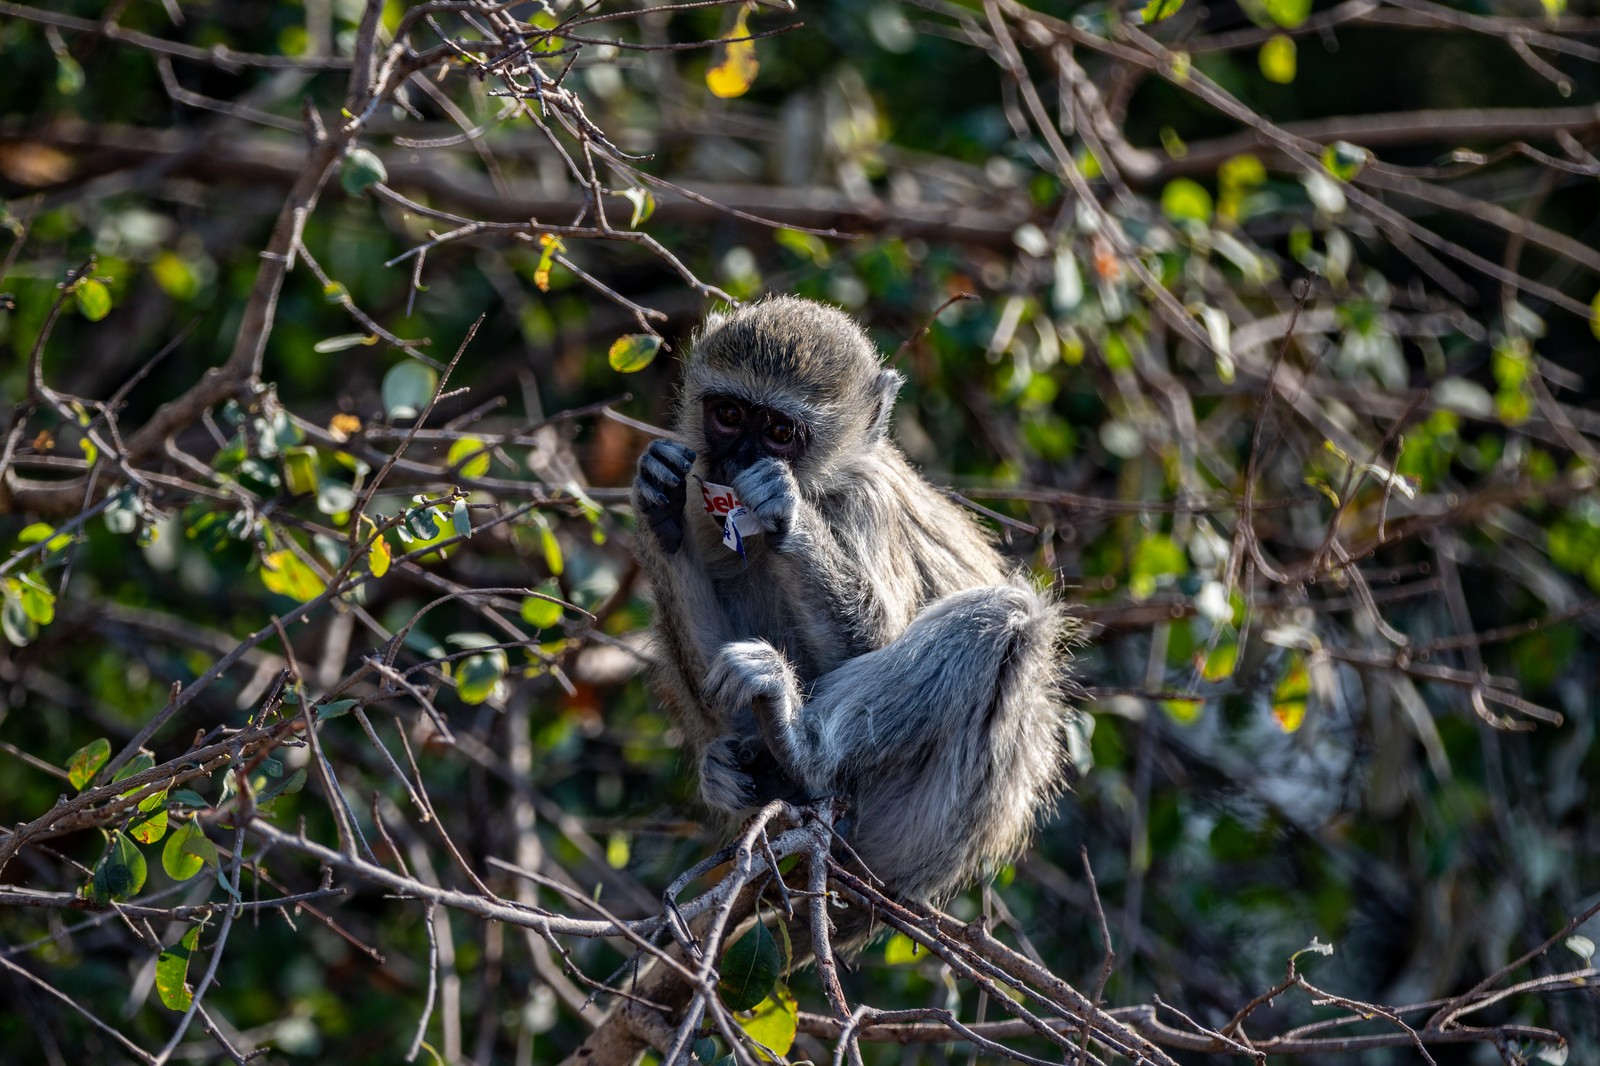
(172, 971)
(901, 950)
(540, 613)
(1218, 664)
(42, 531)
(86, 762)
(343, 426)
(1289, 14)
(548, 541)
(1184, 200)
(633, 352)
(774, 1022)
(378, 555)
(1594, 316)
(461, 518)
(93, 298)
(343, 342)
(1184, 712)
(479, 675)
(152, 828)
(1582, 947)
(644, 205)
(1277, 58)
(473, 455)
(1344, 160)
(287, 574)
(749, 969)
(1290, 696)
(736, 70)
(360, 171)
(1156, 10)
(407, 388)
(301, 470)
(551, 247)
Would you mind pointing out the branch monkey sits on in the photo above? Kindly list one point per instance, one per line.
(864, 638)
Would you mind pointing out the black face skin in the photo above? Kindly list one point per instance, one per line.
(738, 434)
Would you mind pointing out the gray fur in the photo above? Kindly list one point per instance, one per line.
(872, 642)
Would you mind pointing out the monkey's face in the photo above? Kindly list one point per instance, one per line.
(738, 434)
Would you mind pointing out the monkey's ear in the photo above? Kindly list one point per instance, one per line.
(887, 388)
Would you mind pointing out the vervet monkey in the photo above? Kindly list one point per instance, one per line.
(856, 633)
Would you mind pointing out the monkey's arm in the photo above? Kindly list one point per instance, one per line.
(689, 623)
(840, 606)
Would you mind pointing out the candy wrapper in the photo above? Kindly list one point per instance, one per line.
(737, 522)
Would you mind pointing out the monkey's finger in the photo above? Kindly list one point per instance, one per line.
(674, 456)
(657, 473)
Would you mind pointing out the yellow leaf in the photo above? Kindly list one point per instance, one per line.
(1289, 698)
(379, 556)
(734, 75)
(283, 572)
(1277, 58)
(773, 1022)
(552, 247)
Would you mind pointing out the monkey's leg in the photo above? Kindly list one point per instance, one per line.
(948, 740)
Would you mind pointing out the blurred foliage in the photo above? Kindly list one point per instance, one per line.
(1343, 585)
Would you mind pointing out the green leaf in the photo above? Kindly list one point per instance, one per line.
(94, 299)
(360, 171)
(633, 352)
(473, 455)
(1582, 947)
(1219, 664)
(15, 624)
(120, 873)
(287, 574)
(1157, 10)
(86, 762)
(540, 613)
(283, 786)
(187, 852)
(152, 828)
(461, 518)
(1289, 14)
(407, 388)
(749, 969)
(1344, 160)
(301, 470)
(480, 675)
(1184, 200)
(40, 531)
(136, 765)
(334, 709)
(1594, 316)
(343, 342)
(423, 522)
(1277, 59)
(774, 1022)
(172, 971)
(1184, 712)
(38, 602)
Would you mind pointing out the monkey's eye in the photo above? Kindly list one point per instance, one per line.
(781, 431)
(729, 414)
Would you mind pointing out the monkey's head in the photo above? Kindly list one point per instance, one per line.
(789, 379)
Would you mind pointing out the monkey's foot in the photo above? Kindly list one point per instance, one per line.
(723, 783)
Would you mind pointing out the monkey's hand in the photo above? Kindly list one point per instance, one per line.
(660, 489)
(769, 491)
(753, 676)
